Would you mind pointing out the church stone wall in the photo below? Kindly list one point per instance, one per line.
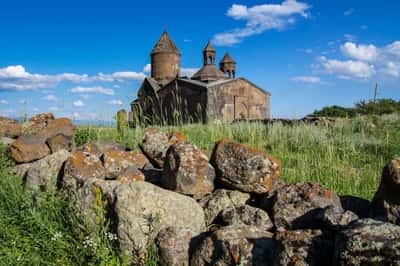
(238, 99)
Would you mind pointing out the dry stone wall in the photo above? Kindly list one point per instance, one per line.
(227, 208)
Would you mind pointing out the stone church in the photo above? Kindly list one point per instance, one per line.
(212, 93)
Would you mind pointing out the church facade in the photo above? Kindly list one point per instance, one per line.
(212, 93)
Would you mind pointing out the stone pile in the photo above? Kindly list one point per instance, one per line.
(227, 208)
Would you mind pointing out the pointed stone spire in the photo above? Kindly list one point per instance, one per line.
(209, 47)
(227, 58)
(165, 44)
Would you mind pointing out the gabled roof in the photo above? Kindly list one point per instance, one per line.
(165, 44)
(220, 82)
(209, 73)
(228, 59)
(209, 47)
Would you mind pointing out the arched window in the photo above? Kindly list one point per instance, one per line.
(210, 60)
(233, 74)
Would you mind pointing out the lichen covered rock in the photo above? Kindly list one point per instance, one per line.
(42, 174)
(80, 167)
(187, 170)
(244, 168)
(368, 242)
(235, 245)
(9, 128)
(302, 247)
(143, 209)
(131, 174)
(174, 246)
(155, 144)
(295, 205)
(60, 142)
(221, 199)
(116, 161)
(245, 215)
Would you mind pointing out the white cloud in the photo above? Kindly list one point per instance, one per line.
(115, 102)
(97, 89)
(188, 72)
(307, 79)
(348, 69)
(147, 68)
(350, 37)
(394, 49)
(392, 69)
(3, 102)
(349, 12)
(85, 96)
(17, 78)
(78, 103)
(260, 18)
(50, 98)
(360, 52)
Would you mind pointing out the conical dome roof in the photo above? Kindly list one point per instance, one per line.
(165, 44)
(227, 59)
(209, 47)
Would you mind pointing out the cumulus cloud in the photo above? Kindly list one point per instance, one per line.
(366, 60)
(260, 18)
(115, 102)
(78, 103)
(307, 79)
(3, 102)
(50, 98)
(17, 78)
(348, 69)
(147, 68)
(360, 52)
(96, 89)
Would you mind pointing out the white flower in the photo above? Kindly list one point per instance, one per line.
(56, 236)
(111, 236)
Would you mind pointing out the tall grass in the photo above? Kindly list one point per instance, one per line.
(346, 157)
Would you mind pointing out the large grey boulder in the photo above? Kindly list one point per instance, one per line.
(155, 144)
(221, 199)
(235, 245)
(368, 242)
(302, 247)
(187, 170)
(143, 209)
(42, 174)
(295, 206)
(243, 168)
(245, 215)
(174, 246)
(386, 202)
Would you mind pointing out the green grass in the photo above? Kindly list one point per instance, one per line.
(348, 158)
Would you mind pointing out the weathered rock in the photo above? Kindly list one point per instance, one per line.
(386, 202)
(245, 215)
(334, 218)
(174, 246)
(155, 144)
(79, 167)
(152, 175)
(295, 205)
(235, 245)
(368, 242)
(221, 199)
(28, 148)
(6, 141)
(361, 207)
(21, 169)
(58, 126)
(244, 168)
(302, 247)
(9, 128)
(187, 170)
(60, 142)
(207, 153)
(42, 174)
(99, 147)
(116, 161)
(143, 209)
(131, 174)
(37, 123)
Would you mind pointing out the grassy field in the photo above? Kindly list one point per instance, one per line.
(347, 157)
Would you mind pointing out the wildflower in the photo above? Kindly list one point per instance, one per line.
(111, 236)
(56, 236)
(89, 243)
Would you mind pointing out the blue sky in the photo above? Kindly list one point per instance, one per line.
(86, 59)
